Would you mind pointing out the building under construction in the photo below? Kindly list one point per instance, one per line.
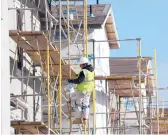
(42, 42)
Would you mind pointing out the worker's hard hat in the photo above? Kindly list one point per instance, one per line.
(83, 60)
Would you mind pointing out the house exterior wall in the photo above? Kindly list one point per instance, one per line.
(5, 81)
(101, 68)
(16, 86)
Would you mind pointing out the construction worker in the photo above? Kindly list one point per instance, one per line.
(85, 85)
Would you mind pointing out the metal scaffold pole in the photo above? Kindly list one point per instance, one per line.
(48, 88)
(56, 68)
(69, 61)
(68, 36)
(60, 71)
(139, 82)
(85, 44)
(85, 29)
(48, 72)
(156, 90)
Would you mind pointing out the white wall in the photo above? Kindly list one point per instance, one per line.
(101, 68)
(5, 81)
(15, 84)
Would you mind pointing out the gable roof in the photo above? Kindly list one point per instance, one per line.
(127, 66)
(103, 17)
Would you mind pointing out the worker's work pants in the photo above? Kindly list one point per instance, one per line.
(82, 102)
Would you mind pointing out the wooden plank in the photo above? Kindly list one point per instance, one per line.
(24, 33)
(42, 42)
(30, 37)
(55, 57)
(110, 29)
(31, 127)
(127, 94)
(112, 78)
(28, 42)
(65, 70)
(21, 42)
(23, 123)
(109, 19)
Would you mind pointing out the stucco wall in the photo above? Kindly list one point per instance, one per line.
(5, 81)
(101, 68)
(16, 86)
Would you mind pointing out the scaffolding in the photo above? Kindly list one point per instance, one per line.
(46, 54)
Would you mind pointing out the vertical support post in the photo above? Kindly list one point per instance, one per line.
(46, 15)
(150, 110)
(88, 126)
(68, 32)
(84, 129)
(156, 88)
(109, 114)
(34, 100)
(119, 110)
(22, 87)
(94, 93)
(107, 104)
(68, 38)
(93, 52)
(139, 82)
(60, 71)
(48, 72)
(163, 107)
(48, 87)
(85, 29)
(148, 94)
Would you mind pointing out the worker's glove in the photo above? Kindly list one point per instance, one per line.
(70, 80)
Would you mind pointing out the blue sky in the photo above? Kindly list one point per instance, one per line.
(148, 20)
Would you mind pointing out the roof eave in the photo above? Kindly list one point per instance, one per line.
(112, 32)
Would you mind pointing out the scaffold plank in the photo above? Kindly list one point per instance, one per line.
(35, 44)
(31, 127)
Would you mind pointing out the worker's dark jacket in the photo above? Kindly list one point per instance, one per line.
(81, 74)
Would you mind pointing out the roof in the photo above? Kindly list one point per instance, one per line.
(127, 66)
(102, 17)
